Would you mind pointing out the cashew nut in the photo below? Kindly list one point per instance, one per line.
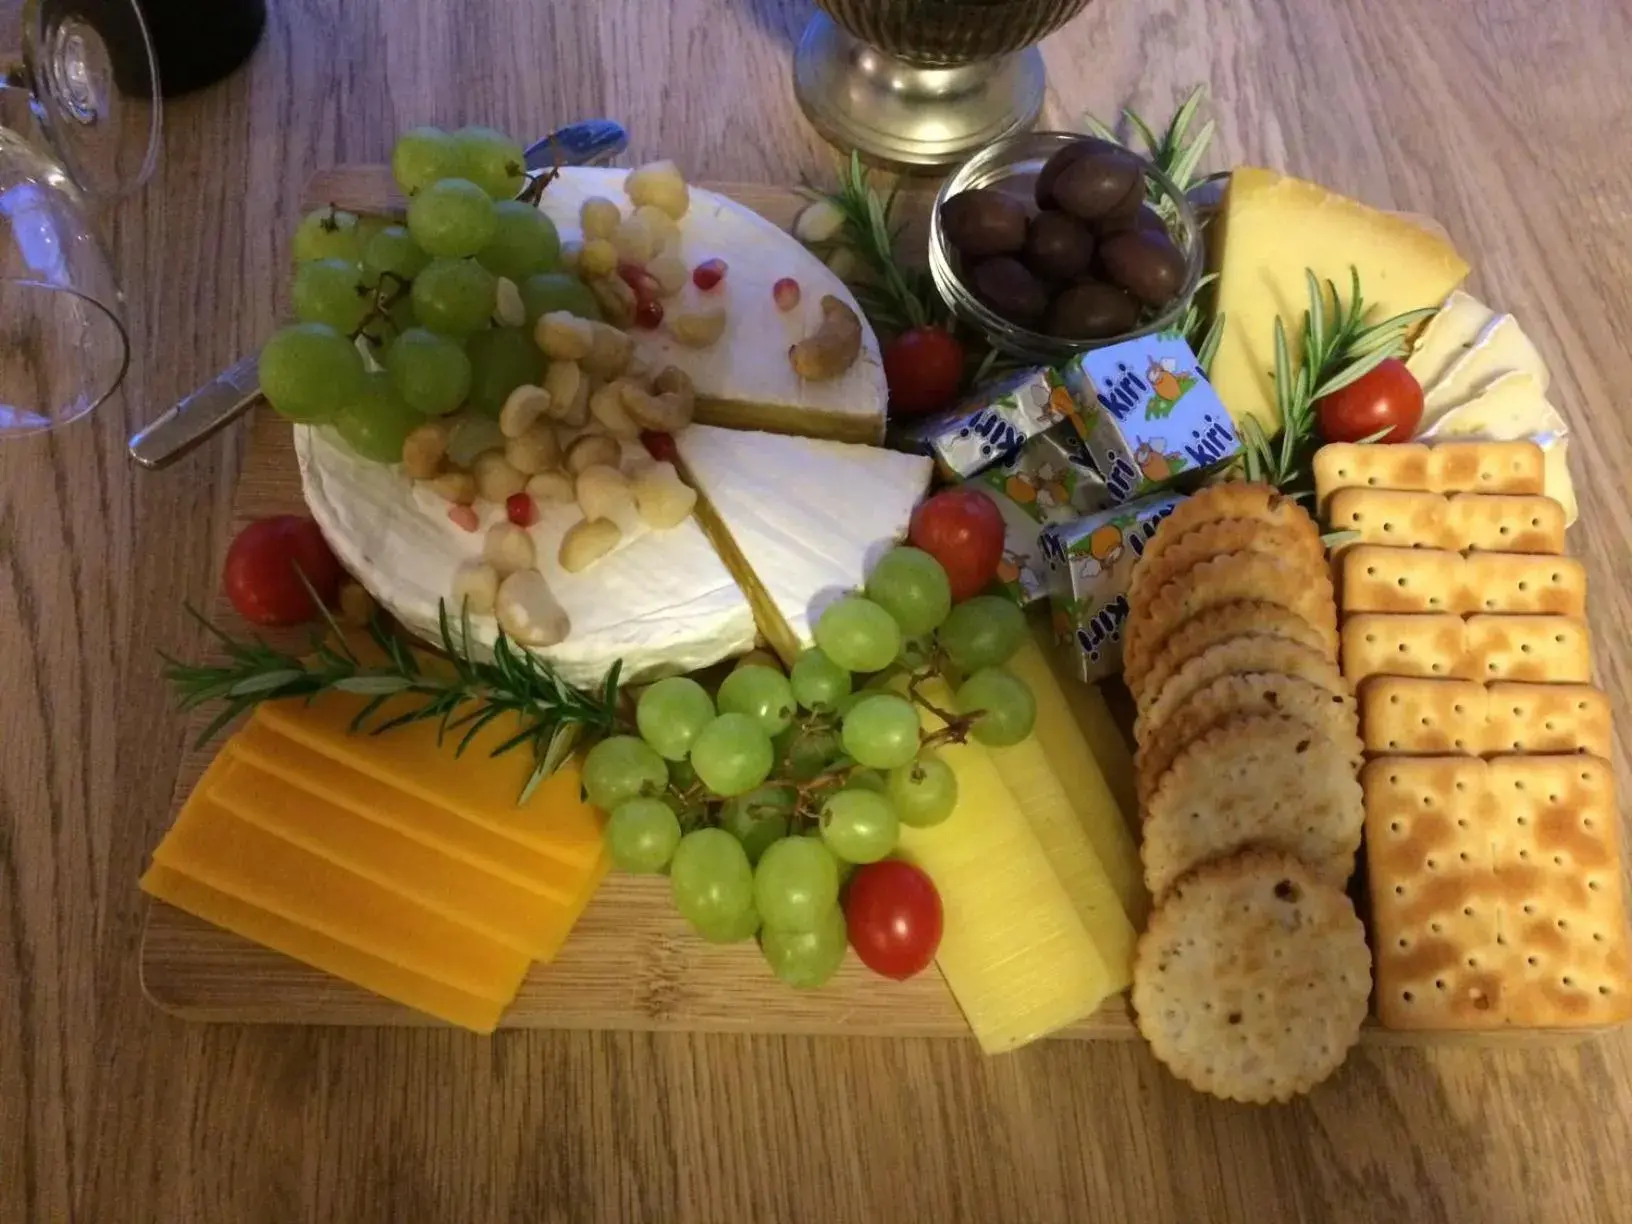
(696, 324)
(664, 413)
(818, 222)
(537, 450)
(528, 611)
(508, 548)
(566, 385)
(598, 258)
(456, 487)
(616, 299)
(496, 477)
(522, 407)
(475, 587)
(833, 347)
(592, 450)
(586, 542)
(609, 351)
(660, 184)
(508, 309)
(551, 488)
(598, 217)
(662, 499)
(423, 450)
(564, 336)
(603, 492)
(669, 271)
(606, 406)
(634, 240)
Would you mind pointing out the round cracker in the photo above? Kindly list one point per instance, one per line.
(1228, 579)
(1252, 652)
(1220, 624)
(1214, 539)
(1332, 714)
(1236, 499)
(1252, 979)
(1268, 781)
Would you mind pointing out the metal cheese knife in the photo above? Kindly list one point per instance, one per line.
(232, 392)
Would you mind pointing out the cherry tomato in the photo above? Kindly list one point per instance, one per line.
(963, 530)
(1388, 397)
(260, 573)
(923, 367)
(893, 915)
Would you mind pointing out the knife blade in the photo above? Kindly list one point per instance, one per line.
(226, 397)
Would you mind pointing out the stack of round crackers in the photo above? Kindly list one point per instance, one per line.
(1253, 976)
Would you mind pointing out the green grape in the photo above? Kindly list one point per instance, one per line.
(423, 156)
(369, 224)
(455, 296)
(393, 250)
(670, 714)
(524, 242)
(796, 884)
(501, 359)
(681, 775)
(866, 779)
(846, 870)
(761, 693)
(430, 372)
(491, 160)
(911, 586)
(881, 731)
(858, 825)
(452, 218)
(621, 768)
(1010, 710)
(711, 879)
(328, 233)
(924, 791)
(817, 681)
(916, 652)
(309, 371)
(732, 754)
(544, 292)
(641, 835)
(983, 632)
(808, 751)
(330, 291)
(807, 959)
(858, 635)
(376, 422)
(733, 930)
(759, 818)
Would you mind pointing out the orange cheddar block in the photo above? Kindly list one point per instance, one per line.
(212, 846)
(464, 841)
(526, 921)
(321, 952)
(555, 820)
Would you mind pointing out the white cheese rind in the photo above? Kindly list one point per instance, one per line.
(663, 603)
(1512, 408)
(1501, 348)
(749, 363)
(810, 517)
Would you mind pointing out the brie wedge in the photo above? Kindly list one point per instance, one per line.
(1449, 335)
(744, 378)
(799, 520)
(1500, 348)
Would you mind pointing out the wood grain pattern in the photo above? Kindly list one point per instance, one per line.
(1499, 117)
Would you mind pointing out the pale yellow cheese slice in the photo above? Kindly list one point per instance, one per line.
(1501, 348)
(1449, 335)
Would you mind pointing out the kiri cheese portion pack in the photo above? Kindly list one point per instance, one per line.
(991, 424)
(1090, 566)
(1150, 417)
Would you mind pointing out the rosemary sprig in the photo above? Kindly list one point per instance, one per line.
(464, 697)
(1337, 347)
(1174, 156)
(894, 298)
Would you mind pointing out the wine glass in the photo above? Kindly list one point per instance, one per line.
(88, 72)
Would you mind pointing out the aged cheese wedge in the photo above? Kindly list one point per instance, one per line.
(1274, 227)
(1077, 763)
(1500, 349)
(1449, 335)
(1511, 408)
(322, 952)
(1014, 950)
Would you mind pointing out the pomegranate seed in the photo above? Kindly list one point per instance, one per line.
(648, 313)
(463, 517)
(659, 446)
(641, 281)
(521, 510)
(786, 292)
(708, 274)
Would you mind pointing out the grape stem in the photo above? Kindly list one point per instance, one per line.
(383, 302)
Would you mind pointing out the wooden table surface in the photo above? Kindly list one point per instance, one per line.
(1506, 119)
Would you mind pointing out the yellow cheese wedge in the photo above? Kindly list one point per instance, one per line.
(526, 921)
(555, 820)
(1013, 950)
(211, 845)
(321, 952)
(1025, 771)
(1271, 228)
(461, 840)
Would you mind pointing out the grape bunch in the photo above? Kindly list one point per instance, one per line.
(445, 304)
(760, 799)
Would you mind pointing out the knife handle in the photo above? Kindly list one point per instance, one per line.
(203, 413)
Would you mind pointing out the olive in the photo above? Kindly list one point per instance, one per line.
(1055, 166)
(1007, 287)
(1098, 183)
(1058, 246)
(1145, 263)
(984, 222)
(1091, 310)
(1144, 217)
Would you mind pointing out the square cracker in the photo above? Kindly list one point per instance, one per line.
(1412, 715)
(1457, 522)
(1449, 467)
(1551, 718)
(1540, 649)
(1496, 892)
(1513, 582)
(1506, 522)
(1402, 644)
(1378, 579)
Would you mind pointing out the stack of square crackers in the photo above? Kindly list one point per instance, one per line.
(1252, 978)
(1492, 835)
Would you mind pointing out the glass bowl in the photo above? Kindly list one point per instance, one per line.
(1012, 165)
